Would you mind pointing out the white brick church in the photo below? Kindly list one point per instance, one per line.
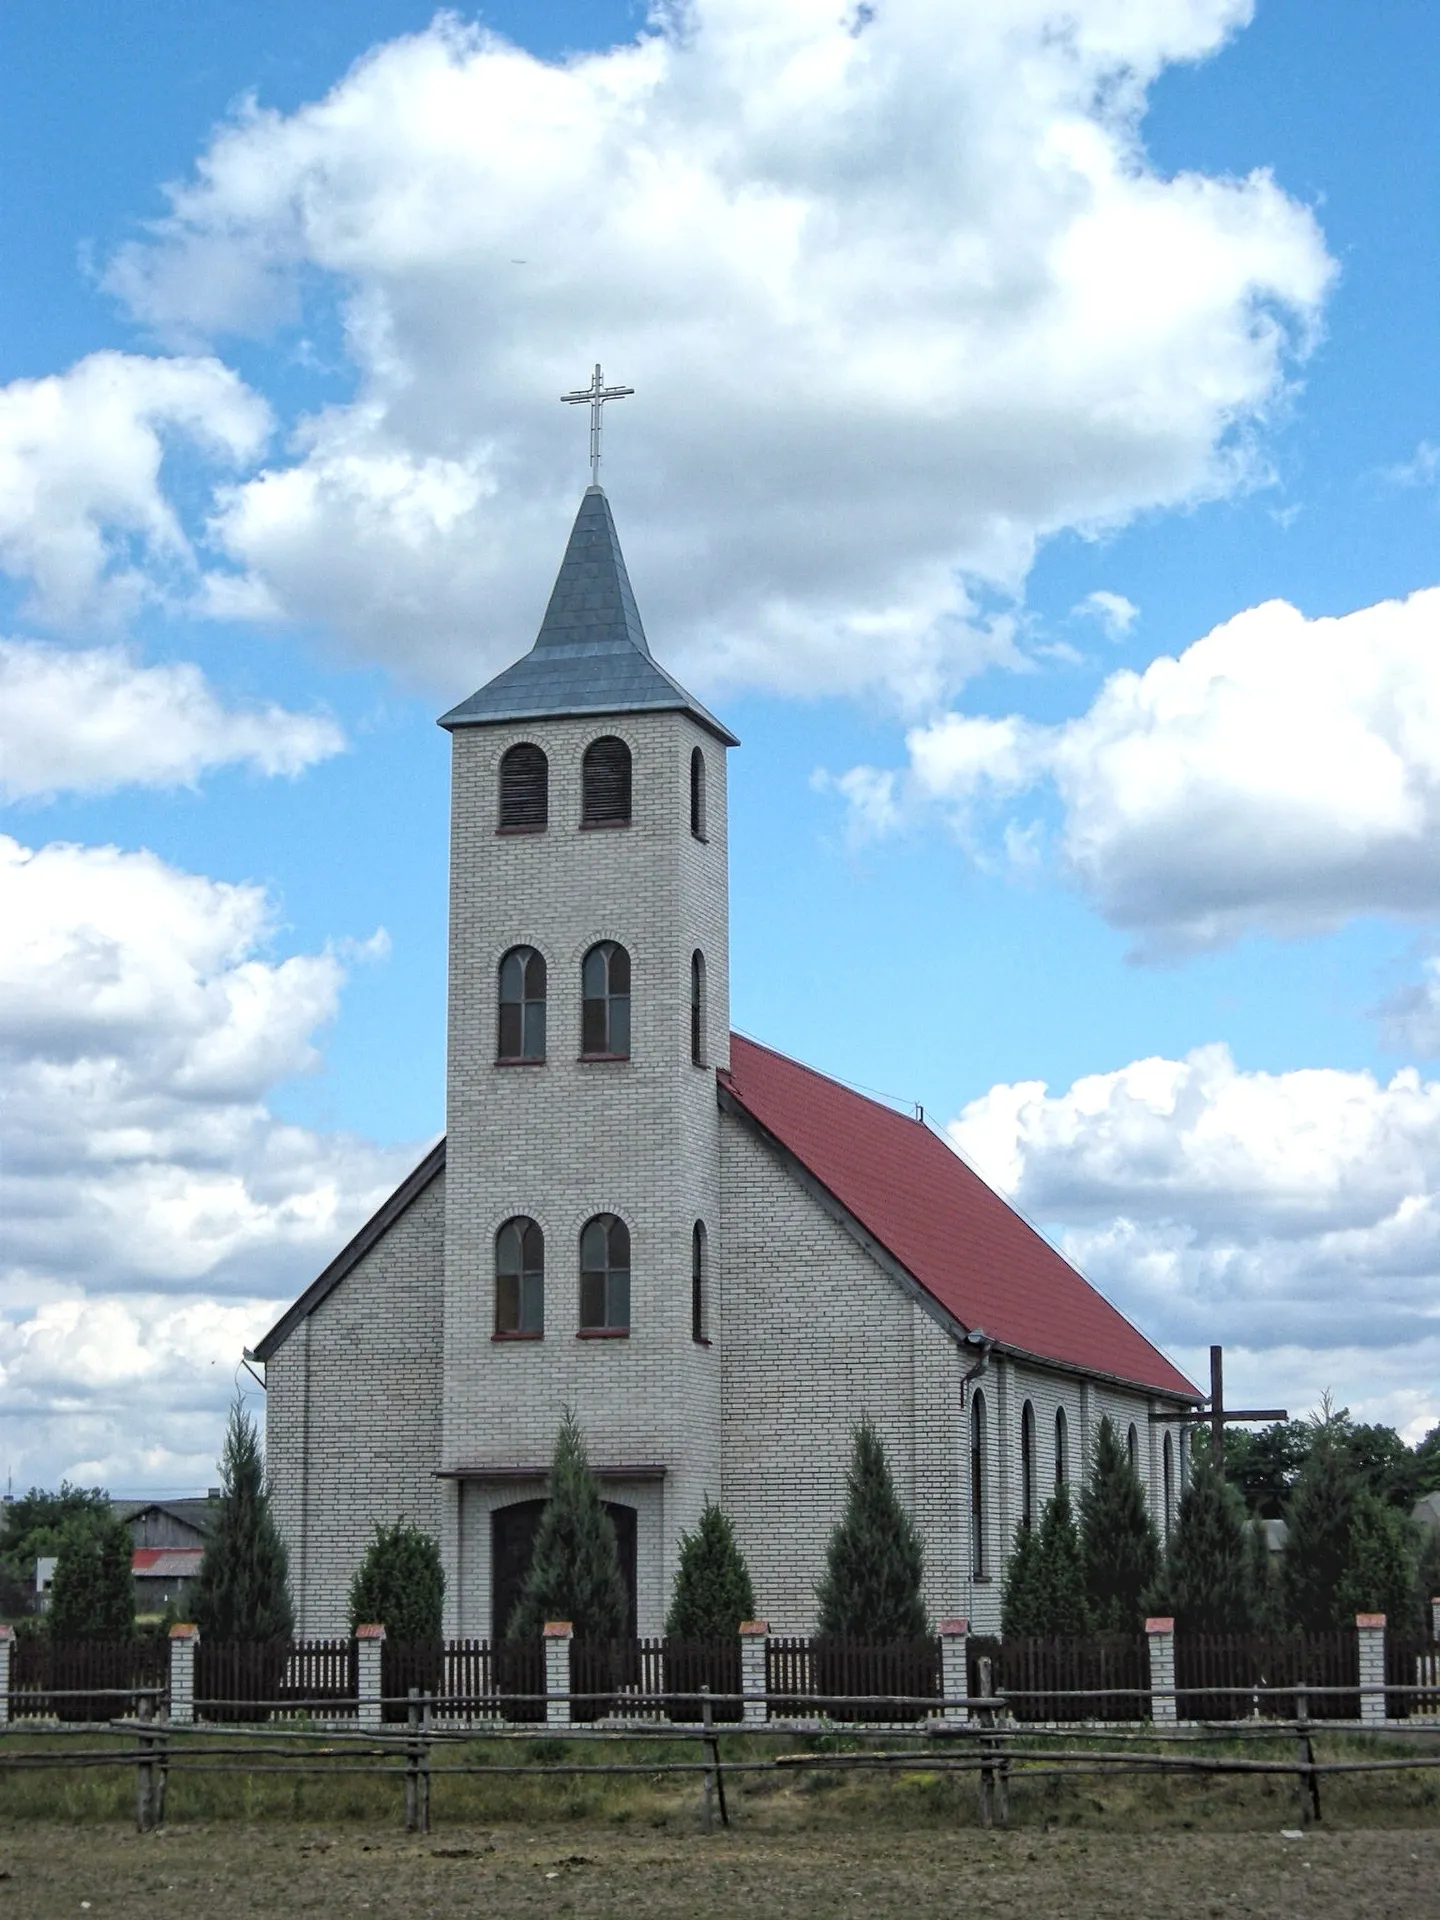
(718, 1257)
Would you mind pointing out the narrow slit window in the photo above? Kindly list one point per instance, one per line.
(605, 784)
(1027, 1465)
(522, 1006)
(697, 1007)
(520, 1278)
(1132, 1447)
(977, 1486)
(605, 1275)
(1062, 1449)
(698, 1303)
(524, 789)
(697, 794)
(605, 1008)
(1168, 1458)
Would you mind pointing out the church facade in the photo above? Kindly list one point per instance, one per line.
(717, 1257)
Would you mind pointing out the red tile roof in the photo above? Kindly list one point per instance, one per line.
(965, 1246)
(166, 1563)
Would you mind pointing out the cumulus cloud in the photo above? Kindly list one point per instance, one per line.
(153, 1204)
(1282, 774)
(88, 722)
(1114, 612)
(1295, 1215)
(84, 516)
(899, 290)
(1410, 1017)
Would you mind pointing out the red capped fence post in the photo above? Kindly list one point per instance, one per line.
(1370, 1630)
(1160, 1639)
(558, 1636)
(954, 1671)
(184, 1638)
(369, 1676)
(754, 1640)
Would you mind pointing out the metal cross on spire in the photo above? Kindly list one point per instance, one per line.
(597, 393)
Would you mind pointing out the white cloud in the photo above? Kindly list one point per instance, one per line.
(83, 513)
(899, 298)
(142, 1026)
(1114, 612)
(1282, 774)
(88, 722)
(1410, 1017)
(1422, 469)
(1293, 1215)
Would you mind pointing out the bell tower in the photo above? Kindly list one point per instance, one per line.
(588, 1013)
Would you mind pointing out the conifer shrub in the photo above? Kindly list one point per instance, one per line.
(400, 1585)
(1051, 1601)
(92, 1595)
(713, 1591)
(242, 1591)
(1119, 1547)
(1380, 1567)
(1022, 1602)
(1206, 1580)
(875, 1564)
(1320, 1520)
(574, 1569)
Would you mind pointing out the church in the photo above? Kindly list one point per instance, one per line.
(718, 1257)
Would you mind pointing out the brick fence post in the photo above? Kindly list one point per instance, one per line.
(184, 1638)
(954, 1670)
(369, 1678)
(7, 1641)
(1370, 1631)
(1160, 1640)
(558, 1636)
(754, 1641)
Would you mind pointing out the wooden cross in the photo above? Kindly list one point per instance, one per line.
(1219, 1413)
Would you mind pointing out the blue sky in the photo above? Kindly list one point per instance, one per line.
(940, 327)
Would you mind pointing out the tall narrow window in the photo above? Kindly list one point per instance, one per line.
(1168, 1458)
(524, 789)
(1132, 1447)
(520, 1279)
(605, 1013)
(697, 1007)
(697, 1284)
(1027, 1465)
(977, 1485)
(697, 794)
(605, 1275)
(1062, 1448)
(605, 784)
(522, 1005)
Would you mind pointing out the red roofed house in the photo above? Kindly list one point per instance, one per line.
(718, 1257)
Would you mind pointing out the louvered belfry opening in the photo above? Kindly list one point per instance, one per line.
(524, 789)
(606, 784)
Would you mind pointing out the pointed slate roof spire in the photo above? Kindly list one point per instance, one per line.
(591, 654)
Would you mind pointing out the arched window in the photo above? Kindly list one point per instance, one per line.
(520, 1278)
(698, 1303)
(605, 784)
(605, 1013)
(697, 1007)
(522, 1005)
(524, 789)
(1027, 1465)
(1062, 1448)
(977, 1485)
(1168, 1457)
(1132, 1448)
(697, 794)
(605, 1275)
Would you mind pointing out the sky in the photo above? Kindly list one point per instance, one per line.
(1034, 458)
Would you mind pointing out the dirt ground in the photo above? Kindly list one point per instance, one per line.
(224, 1871)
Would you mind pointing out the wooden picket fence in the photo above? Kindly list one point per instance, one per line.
(247, 1680)
(1237, 1676)
(82, 1681)
(1100, 1676)
(1412, 1661)
(468, 1681)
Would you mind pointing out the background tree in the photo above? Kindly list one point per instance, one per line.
(1264, 1464)
(1118, 1543)
(92, 1596)
(1427, 1585)
(1380, 1566)
(1205, 1581)
(242, 1591)
(1320, 1520)
(875, 1564)
(713, 1592)
(1266, 1612)
(400, 1585)
(574, 1570)
(31, 1527)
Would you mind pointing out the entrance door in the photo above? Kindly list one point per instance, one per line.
(512, 1543)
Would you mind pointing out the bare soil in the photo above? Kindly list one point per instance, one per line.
(226, 1870)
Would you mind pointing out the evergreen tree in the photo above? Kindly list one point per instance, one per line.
(712, 1592)
(92, 1596)
(1427, 1585)
(1117, 1537)
(1320, 1519)
(1380, 1567)
(1266, 1615)
(400, 1585)
(575, 1568)
(1022, 1603)
(1063, 1607)
(242, 1591)
(875, 1564)
(1205, 1582)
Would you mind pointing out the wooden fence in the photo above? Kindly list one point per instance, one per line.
(1235, 1676)
(84, 1680)
(243, 1680)
(862, 1681)
(469, 1681)
(1104, 1676)
(1412, 1661)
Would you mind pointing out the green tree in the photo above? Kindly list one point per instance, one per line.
(1380, 1566)
(1265, 1464)
(1064, 1608)
(1117, 1537)
(1427, 1584)
(713, 1591)
(1206, 1579)
(574, 1570)
(242, 1591)
(31, 1527)
(400, 1585)
(1022, 1597)
(1266, 1614)
(875, 1564)
(1320, 1520)
(92, 1596)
